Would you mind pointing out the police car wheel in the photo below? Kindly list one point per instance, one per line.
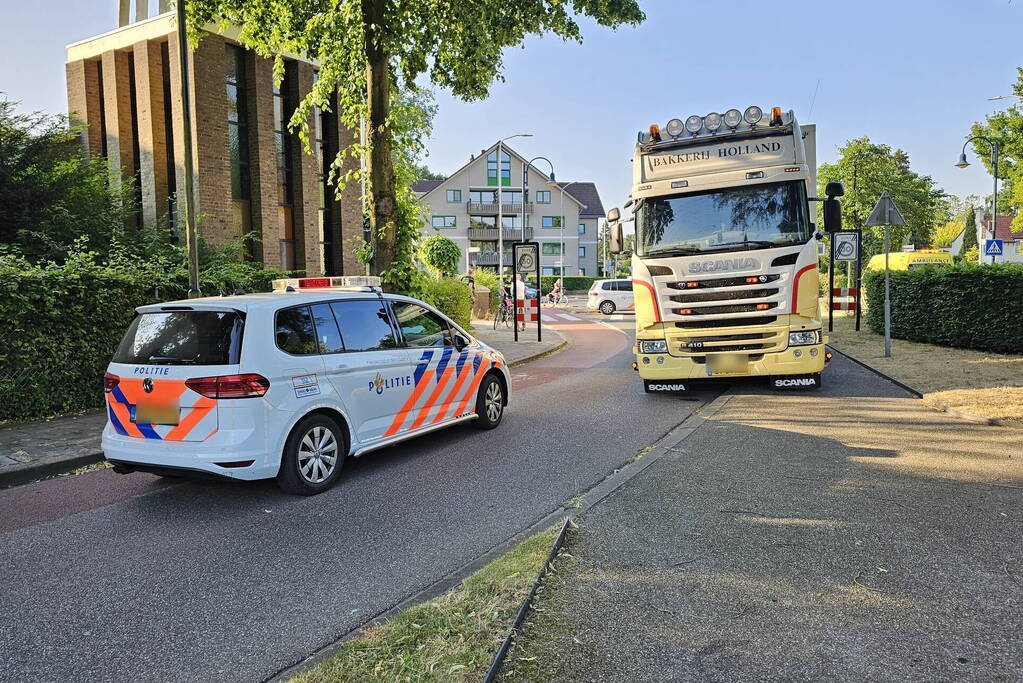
(489, 403)
(313, 456)
(607, 307)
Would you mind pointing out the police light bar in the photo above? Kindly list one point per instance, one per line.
(352, 283)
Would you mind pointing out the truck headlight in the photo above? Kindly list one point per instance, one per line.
(804, 338)
(653, 346)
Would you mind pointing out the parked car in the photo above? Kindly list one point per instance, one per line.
(608, 296)
(289, 384)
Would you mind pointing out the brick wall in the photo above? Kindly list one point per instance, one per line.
(306, 190)
(152, 136)
(117, 115)
(214, 204)
(262, 159)
(83, 101)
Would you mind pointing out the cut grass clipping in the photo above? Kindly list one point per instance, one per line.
(450, 638)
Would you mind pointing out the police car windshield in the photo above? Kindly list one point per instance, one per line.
(182, 338)
(733, 219)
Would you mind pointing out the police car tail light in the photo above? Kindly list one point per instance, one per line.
(110, 381)
(229, 386)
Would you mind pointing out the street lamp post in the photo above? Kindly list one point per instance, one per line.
(500, 198)
(551, 182)
(963, 163)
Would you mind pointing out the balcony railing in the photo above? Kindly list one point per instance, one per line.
(484, 258)
(508, 234)
(491, 208)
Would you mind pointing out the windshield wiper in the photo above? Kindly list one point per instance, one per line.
(760, 244)
(168, 360)
(679, 251)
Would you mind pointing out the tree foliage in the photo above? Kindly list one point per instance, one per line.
(50, 193)
(970, 237)
(424, 173)
(1005, 127)
(441, 254)
(947, 232)
(867, 169)
(372, 51)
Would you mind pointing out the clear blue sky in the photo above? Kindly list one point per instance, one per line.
(913, 75)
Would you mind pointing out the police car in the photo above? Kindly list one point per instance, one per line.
(288, 384)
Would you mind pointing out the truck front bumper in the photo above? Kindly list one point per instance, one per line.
(795, 360)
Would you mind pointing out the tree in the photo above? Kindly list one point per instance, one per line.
(970, 238)
(424, 173)
(371, 51)
(867, 169)
(441, 254)
(50, 194)
(947, 232)
(1006, 127)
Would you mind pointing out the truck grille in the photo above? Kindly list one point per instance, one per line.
(732, 308)
(701, 344)
(704, 283)
(723, 296)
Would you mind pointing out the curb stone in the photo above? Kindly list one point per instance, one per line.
(877, 372)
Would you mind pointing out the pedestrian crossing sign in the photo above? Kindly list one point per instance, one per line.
(993, 247)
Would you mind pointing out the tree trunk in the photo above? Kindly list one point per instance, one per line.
(381, 166)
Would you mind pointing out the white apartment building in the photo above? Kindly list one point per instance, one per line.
(470, 204)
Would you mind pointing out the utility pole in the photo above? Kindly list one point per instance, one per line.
(188, 212)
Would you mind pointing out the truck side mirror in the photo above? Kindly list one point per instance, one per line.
(616, 237)
(832, 215)
(834, 189)
(614, 215)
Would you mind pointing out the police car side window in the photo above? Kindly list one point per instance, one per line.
(625, 285)
(365, 325)
(610, 286)
(295, 332)
(327, 336)
(420, 327)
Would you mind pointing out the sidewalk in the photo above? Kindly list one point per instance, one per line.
(851, 534)
(33, 450)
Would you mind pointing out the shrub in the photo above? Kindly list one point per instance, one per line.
(573, 283)
(450, 297)
(441, 254)
(967, 305)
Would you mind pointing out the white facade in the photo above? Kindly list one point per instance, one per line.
(466, 208)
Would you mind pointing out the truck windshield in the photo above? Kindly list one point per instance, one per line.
(734, 219)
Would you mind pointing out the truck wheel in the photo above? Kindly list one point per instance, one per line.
(489, 403)
(313, 456)
(607, 307)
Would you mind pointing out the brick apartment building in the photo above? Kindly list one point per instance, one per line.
(251, 174)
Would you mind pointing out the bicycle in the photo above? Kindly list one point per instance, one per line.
(505, 314)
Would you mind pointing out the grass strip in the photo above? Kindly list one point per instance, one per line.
(450, 638)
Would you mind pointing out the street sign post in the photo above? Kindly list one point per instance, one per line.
(526, 261)
(845, 246)
(994, 248)
(887, 214)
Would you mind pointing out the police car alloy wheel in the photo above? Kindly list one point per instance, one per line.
(313, 456)
(607, 307)
(490, 403)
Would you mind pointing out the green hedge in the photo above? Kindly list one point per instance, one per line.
(61, 325)
(967, 306)
(573, 283)
(451, 297)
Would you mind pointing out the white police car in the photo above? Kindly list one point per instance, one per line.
(288, 384)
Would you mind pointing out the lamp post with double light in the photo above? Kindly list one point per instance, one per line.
(551, 182)
(963, 163)
(500, 197)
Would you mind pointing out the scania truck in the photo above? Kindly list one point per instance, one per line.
(724, 267)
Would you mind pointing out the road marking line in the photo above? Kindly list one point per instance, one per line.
(547, 319)
(611, 327)
(566, 316)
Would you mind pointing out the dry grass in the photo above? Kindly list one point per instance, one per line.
(451, 638)
(984, 384)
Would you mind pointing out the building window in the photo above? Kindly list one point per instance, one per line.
(237, 122)
(551, 248)
(582, 272)
(283, 109)
(454, 195)
(168, 132)
(582, 228)
(482, 222)
(443, 221)
(1019, 247)
(482, 196)
(582, 252)
(551, 221)
(324, 121)
(543, 196)
(511, 221)
(511, 196)
(492, 168)
(550, 270)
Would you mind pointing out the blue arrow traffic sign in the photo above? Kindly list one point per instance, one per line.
(993, 247)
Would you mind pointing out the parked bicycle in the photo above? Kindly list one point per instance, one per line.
(505, 313)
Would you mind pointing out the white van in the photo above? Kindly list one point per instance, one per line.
(608, 296)
(290, 383)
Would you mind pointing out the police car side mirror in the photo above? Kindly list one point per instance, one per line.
(460, 342)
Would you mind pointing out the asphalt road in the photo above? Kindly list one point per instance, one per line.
(117, 578)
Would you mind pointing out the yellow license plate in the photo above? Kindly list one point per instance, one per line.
(727, 365)
(157, 414)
